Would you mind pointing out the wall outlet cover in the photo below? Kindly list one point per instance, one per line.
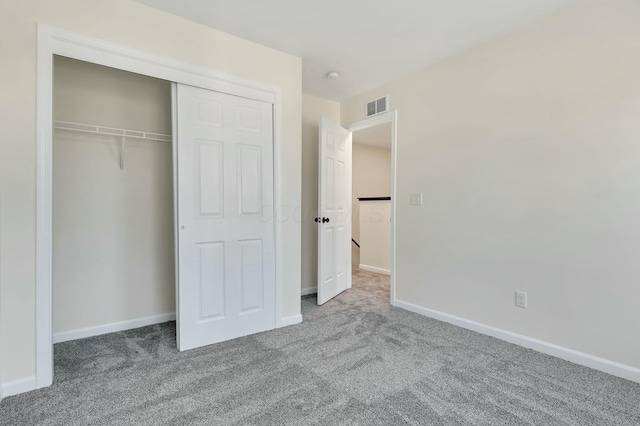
(521, 299)
(416, 199)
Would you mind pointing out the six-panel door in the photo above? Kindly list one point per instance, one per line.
(334, 194)
(226, 247)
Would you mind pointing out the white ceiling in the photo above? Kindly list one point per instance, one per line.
(369, 42)
(379, 136)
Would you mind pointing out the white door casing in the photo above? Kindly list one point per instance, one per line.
(226, 248)
(387, 117)
(334, 210)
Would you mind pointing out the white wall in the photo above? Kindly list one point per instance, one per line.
(527, 152)
(375, 236)
(112, 229)
(128, 23)
(371, 178)
(313, 108)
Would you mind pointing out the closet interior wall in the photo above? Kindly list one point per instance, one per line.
(113, 243)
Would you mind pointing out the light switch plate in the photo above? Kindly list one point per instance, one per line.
(521, 299)
(416, 199)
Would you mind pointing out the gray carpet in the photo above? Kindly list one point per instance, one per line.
(355, 360)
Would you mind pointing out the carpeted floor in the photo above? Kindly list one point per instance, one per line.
(355, 360)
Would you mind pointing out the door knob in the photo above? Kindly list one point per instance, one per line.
(325, 219)
(317, 219)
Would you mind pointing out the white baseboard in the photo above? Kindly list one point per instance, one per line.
(18, 386)
(309, 290)
(600, 364)
(374, 269)
(81, 333)
(291, 320)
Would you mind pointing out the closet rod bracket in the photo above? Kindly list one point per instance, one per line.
(122, 154)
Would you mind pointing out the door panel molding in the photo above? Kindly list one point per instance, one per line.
(226, 262)
(334, 210)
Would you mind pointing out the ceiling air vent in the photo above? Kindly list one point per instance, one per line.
(377, 106)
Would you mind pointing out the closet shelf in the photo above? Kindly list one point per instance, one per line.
(101, 130)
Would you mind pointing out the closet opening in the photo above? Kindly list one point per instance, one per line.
(371, 209)
(208, 114)
(113, 212)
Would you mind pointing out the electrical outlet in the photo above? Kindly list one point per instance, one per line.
(521, 299)
(416, 199)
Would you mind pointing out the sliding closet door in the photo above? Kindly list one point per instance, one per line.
(226, 246)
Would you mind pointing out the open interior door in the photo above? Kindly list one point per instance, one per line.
(226, 242)
(334, 210)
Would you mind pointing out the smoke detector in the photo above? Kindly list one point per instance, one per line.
(333, 75)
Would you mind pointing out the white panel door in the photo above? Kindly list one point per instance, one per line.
(334, 210)
(226, 246)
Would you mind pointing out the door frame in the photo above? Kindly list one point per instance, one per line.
(387, 117)
(55, 41)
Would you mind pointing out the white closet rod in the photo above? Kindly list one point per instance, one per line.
(112, 131)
